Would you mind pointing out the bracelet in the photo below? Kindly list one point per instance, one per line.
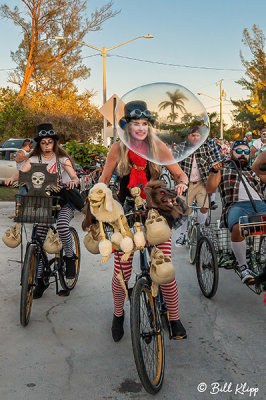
(182, 183)
(214, 171)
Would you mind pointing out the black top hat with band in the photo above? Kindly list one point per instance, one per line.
(136, 109)
(45, 131)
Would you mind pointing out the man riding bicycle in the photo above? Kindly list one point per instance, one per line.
(235, 200)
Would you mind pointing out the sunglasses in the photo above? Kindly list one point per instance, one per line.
(138, 113)
(241, 151)
(46, 133)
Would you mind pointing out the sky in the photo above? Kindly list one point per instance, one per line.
(195, 33)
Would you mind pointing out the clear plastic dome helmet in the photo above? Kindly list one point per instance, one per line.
(162, 122)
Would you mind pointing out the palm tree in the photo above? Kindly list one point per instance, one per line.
(175, 102)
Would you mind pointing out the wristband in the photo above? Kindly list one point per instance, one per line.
(215, 171)
(182, 183)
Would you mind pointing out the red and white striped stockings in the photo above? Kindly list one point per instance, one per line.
(169, 290)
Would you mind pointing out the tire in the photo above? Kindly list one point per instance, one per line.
(166, 179)
(69, 284)
(28, 282)
(207, 267)
(145, 320)
(193, 243)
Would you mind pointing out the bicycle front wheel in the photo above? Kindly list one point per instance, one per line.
(69, 284)
(147, 337)
(27, 284)
(193, 243)
(207, 267)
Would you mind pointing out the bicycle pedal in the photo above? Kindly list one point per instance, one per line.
(64, 293)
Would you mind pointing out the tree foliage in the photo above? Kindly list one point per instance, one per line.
(175, 102)
(82, 152)
(52, 65)
(252, 112)
(73, 115)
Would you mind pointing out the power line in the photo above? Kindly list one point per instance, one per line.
(175, 65)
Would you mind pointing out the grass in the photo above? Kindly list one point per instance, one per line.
(7, 193)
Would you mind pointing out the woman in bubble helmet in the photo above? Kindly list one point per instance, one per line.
(134, 170)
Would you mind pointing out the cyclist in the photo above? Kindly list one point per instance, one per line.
(21, 158)
(133, 170)
(47, 151)
(235, 200)
(258, 143)
(197, 166)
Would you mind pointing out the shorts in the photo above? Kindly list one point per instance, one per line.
(197, 191)
(242, 208)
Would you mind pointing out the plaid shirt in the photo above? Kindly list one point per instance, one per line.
(229, 187)
(204, 158)
(216, 148)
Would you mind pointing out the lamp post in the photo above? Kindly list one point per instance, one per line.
(222, 94)
(104, 50)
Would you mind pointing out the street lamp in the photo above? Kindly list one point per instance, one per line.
(104, 50)
(222, 94)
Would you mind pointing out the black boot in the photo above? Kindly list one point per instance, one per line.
(261, 278)
(71, 267)
(178, 331)
(117, 327)
(39, 289)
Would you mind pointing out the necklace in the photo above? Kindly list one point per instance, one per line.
(49, 157)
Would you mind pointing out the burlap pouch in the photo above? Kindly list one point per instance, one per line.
(12, 236)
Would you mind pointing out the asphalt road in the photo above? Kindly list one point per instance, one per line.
(67, 353)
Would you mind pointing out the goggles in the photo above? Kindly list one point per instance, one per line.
(138, 113)
(46, 133)
(241, 151)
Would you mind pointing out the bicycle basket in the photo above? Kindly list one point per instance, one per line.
(253, 224)
(36, 209)
(220, 237)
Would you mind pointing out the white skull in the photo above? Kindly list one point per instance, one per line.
(37, 179)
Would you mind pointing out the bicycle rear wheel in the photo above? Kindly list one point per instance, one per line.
(207, 267)
(147, 337)
(69, 284)
(166, 179)
(28, 279)
(193, 243)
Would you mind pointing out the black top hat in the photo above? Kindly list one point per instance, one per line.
(136, 109)
(45, 131)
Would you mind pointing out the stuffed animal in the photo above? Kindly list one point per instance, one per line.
(12, 237)
(92, 239)
(162, 270)
(105, 209)
(139, 201)
(52, 244)
(157, 228)
(139, 238)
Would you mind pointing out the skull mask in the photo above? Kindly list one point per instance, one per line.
(37, 179)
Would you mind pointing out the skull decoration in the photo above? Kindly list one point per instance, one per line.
(37, 179)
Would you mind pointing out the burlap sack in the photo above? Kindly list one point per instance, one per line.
(157, 228)
(162, 270)
(92, 239)
(12, 237)
(52, 244)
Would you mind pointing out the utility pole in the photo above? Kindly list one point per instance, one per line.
(222, 94)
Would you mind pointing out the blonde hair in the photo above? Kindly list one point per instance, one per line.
(124, 166)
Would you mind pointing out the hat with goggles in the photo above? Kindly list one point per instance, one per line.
(45, 131)
(136, 109)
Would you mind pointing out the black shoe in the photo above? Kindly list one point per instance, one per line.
(39, 289)
(261, 278)
(117, 327)
(178, 331)
(245, 275)
(213, 205)
(71, 267)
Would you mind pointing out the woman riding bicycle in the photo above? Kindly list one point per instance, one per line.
(135, 170)
(47, 151)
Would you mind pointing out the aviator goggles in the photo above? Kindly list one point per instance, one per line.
(241, 151)
(138, 113)
(46, 133)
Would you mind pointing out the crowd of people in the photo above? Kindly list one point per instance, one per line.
(199, 174)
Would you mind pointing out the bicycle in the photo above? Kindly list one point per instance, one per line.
(166, 178)
(36, 210)
(194, 232)
(148, 317)
(214, 249)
